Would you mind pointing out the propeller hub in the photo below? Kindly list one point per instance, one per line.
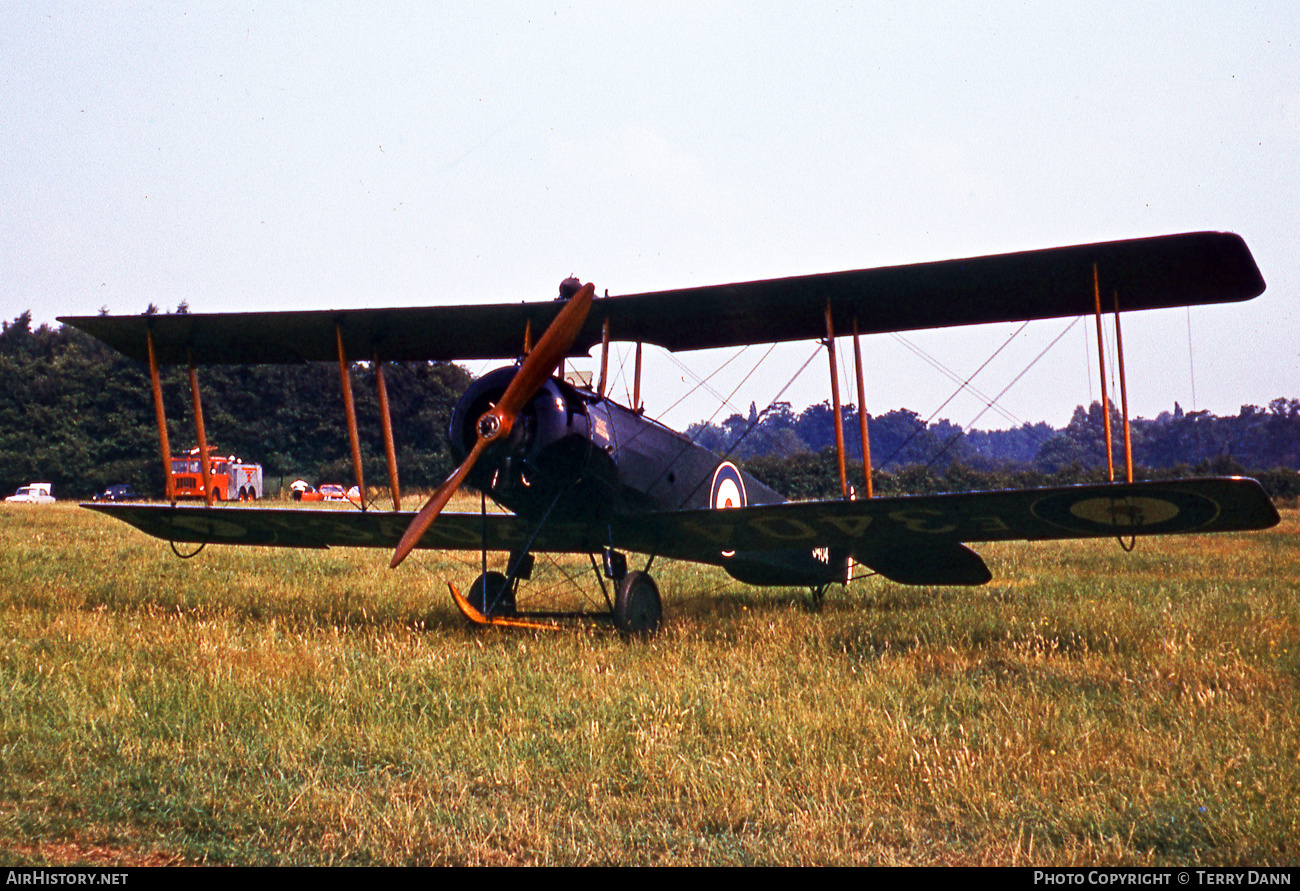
(489, 426)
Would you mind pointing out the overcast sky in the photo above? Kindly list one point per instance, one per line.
(310, 156)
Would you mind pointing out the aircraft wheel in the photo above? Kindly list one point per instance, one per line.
(491, 596)
(637, 608)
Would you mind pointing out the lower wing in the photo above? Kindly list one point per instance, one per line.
(919, 539)
(910, 539)
(305, 527)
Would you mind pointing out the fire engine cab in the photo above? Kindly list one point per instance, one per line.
(232, 479)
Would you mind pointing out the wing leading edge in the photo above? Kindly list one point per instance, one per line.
(1147, 273)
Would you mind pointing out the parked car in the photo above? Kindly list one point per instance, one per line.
(34, 493)
(301, 490)
(118, 492)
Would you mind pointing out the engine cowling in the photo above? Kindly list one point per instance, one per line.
(548, 462)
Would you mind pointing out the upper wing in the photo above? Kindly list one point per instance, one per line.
(1147, 273)
(1171, 270)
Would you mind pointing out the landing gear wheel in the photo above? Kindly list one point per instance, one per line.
(492, 595)
(637, 608)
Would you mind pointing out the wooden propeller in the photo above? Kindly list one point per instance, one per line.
(496, 422)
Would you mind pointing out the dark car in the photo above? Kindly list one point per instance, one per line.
(119, 492)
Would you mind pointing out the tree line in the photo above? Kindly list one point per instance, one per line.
(80, 415)
(795, 452)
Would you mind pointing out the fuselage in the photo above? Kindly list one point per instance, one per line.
(573, 455)
(582, 456)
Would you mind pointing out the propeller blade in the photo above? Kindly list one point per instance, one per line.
(497, 421)
(424, 519)
(541, 361)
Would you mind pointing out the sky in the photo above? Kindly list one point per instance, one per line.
(240, 157)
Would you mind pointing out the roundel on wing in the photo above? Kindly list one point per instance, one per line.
(728, 489)
(1154, 511)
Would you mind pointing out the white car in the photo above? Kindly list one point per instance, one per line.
(35, 493)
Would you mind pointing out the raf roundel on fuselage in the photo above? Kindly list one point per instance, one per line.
(728, 489)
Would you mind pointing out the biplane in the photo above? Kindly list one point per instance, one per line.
(577, 472)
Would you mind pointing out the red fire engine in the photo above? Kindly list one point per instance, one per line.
(231, 478)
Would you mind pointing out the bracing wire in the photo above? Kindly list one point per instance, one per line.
(760, 415)
(704, 382)
(726, 401)
(956, 378)
(1003, 392)
(723, 401)
(1087, 363)
(966, 385)
(1112, 399)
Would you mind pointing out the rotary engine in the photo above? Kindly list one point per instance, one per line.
(547, 462)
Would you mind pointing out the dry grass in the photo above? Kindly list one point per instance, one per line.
(270, 707)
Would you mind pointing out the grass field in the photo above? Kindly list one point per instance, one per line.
(255, 706)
